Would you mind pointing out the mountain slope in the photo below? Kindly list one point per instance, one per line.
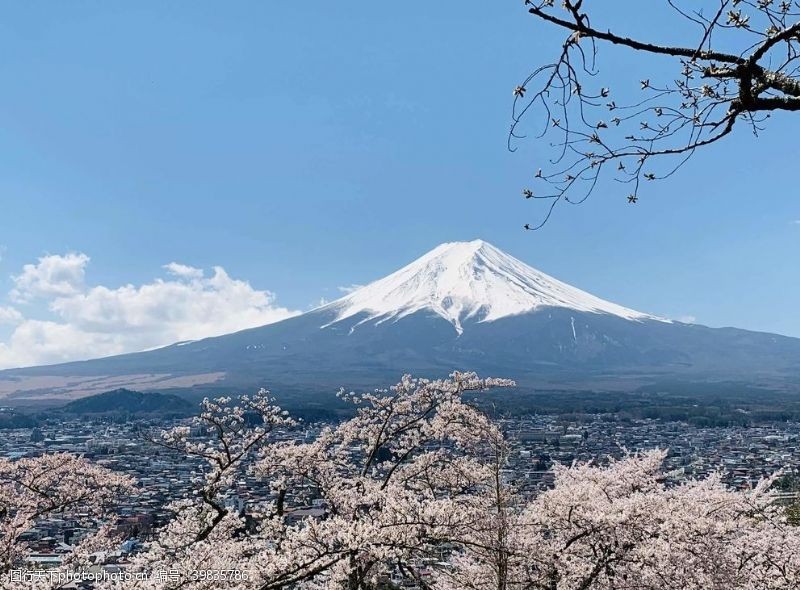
(464, 305)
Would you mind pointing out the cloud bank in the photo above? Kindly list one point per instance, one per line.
(91, 321)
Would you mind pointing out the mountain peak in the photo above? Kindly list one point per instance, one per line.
(472, 280)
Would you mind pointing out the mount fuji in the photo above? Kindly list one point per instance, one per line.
(463, 281)
(464, 306)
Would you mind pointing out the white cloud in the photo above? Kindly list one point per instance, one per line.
(51, 276)
(97, 321)
(184, 271)
(796, 222)
(9, 315)
(347, 289)
(687, 319)
(37, 342)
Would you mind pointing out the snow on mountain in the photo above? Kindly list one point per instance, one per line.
(469, 280)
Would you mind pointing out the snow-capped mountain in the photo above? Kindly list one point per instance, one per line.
(469, 280)
(461, 306)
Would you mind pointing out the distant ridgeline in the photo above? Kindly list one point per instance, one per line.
(116, 405)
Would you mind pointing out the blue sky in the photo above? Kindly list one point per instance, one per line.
(303, 147)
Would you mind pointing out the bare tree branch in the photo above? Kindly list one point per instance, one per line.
(650, 138)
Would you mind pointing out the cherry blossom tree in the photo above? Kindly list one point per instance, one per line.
(397, 477)
(206, 534)
(739, 66)
(393, 480)
(35, 488)
(621, 526)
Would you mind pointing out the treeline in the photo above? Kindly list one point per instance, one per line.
(706, 405)
(10, 419)
(702, 410)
